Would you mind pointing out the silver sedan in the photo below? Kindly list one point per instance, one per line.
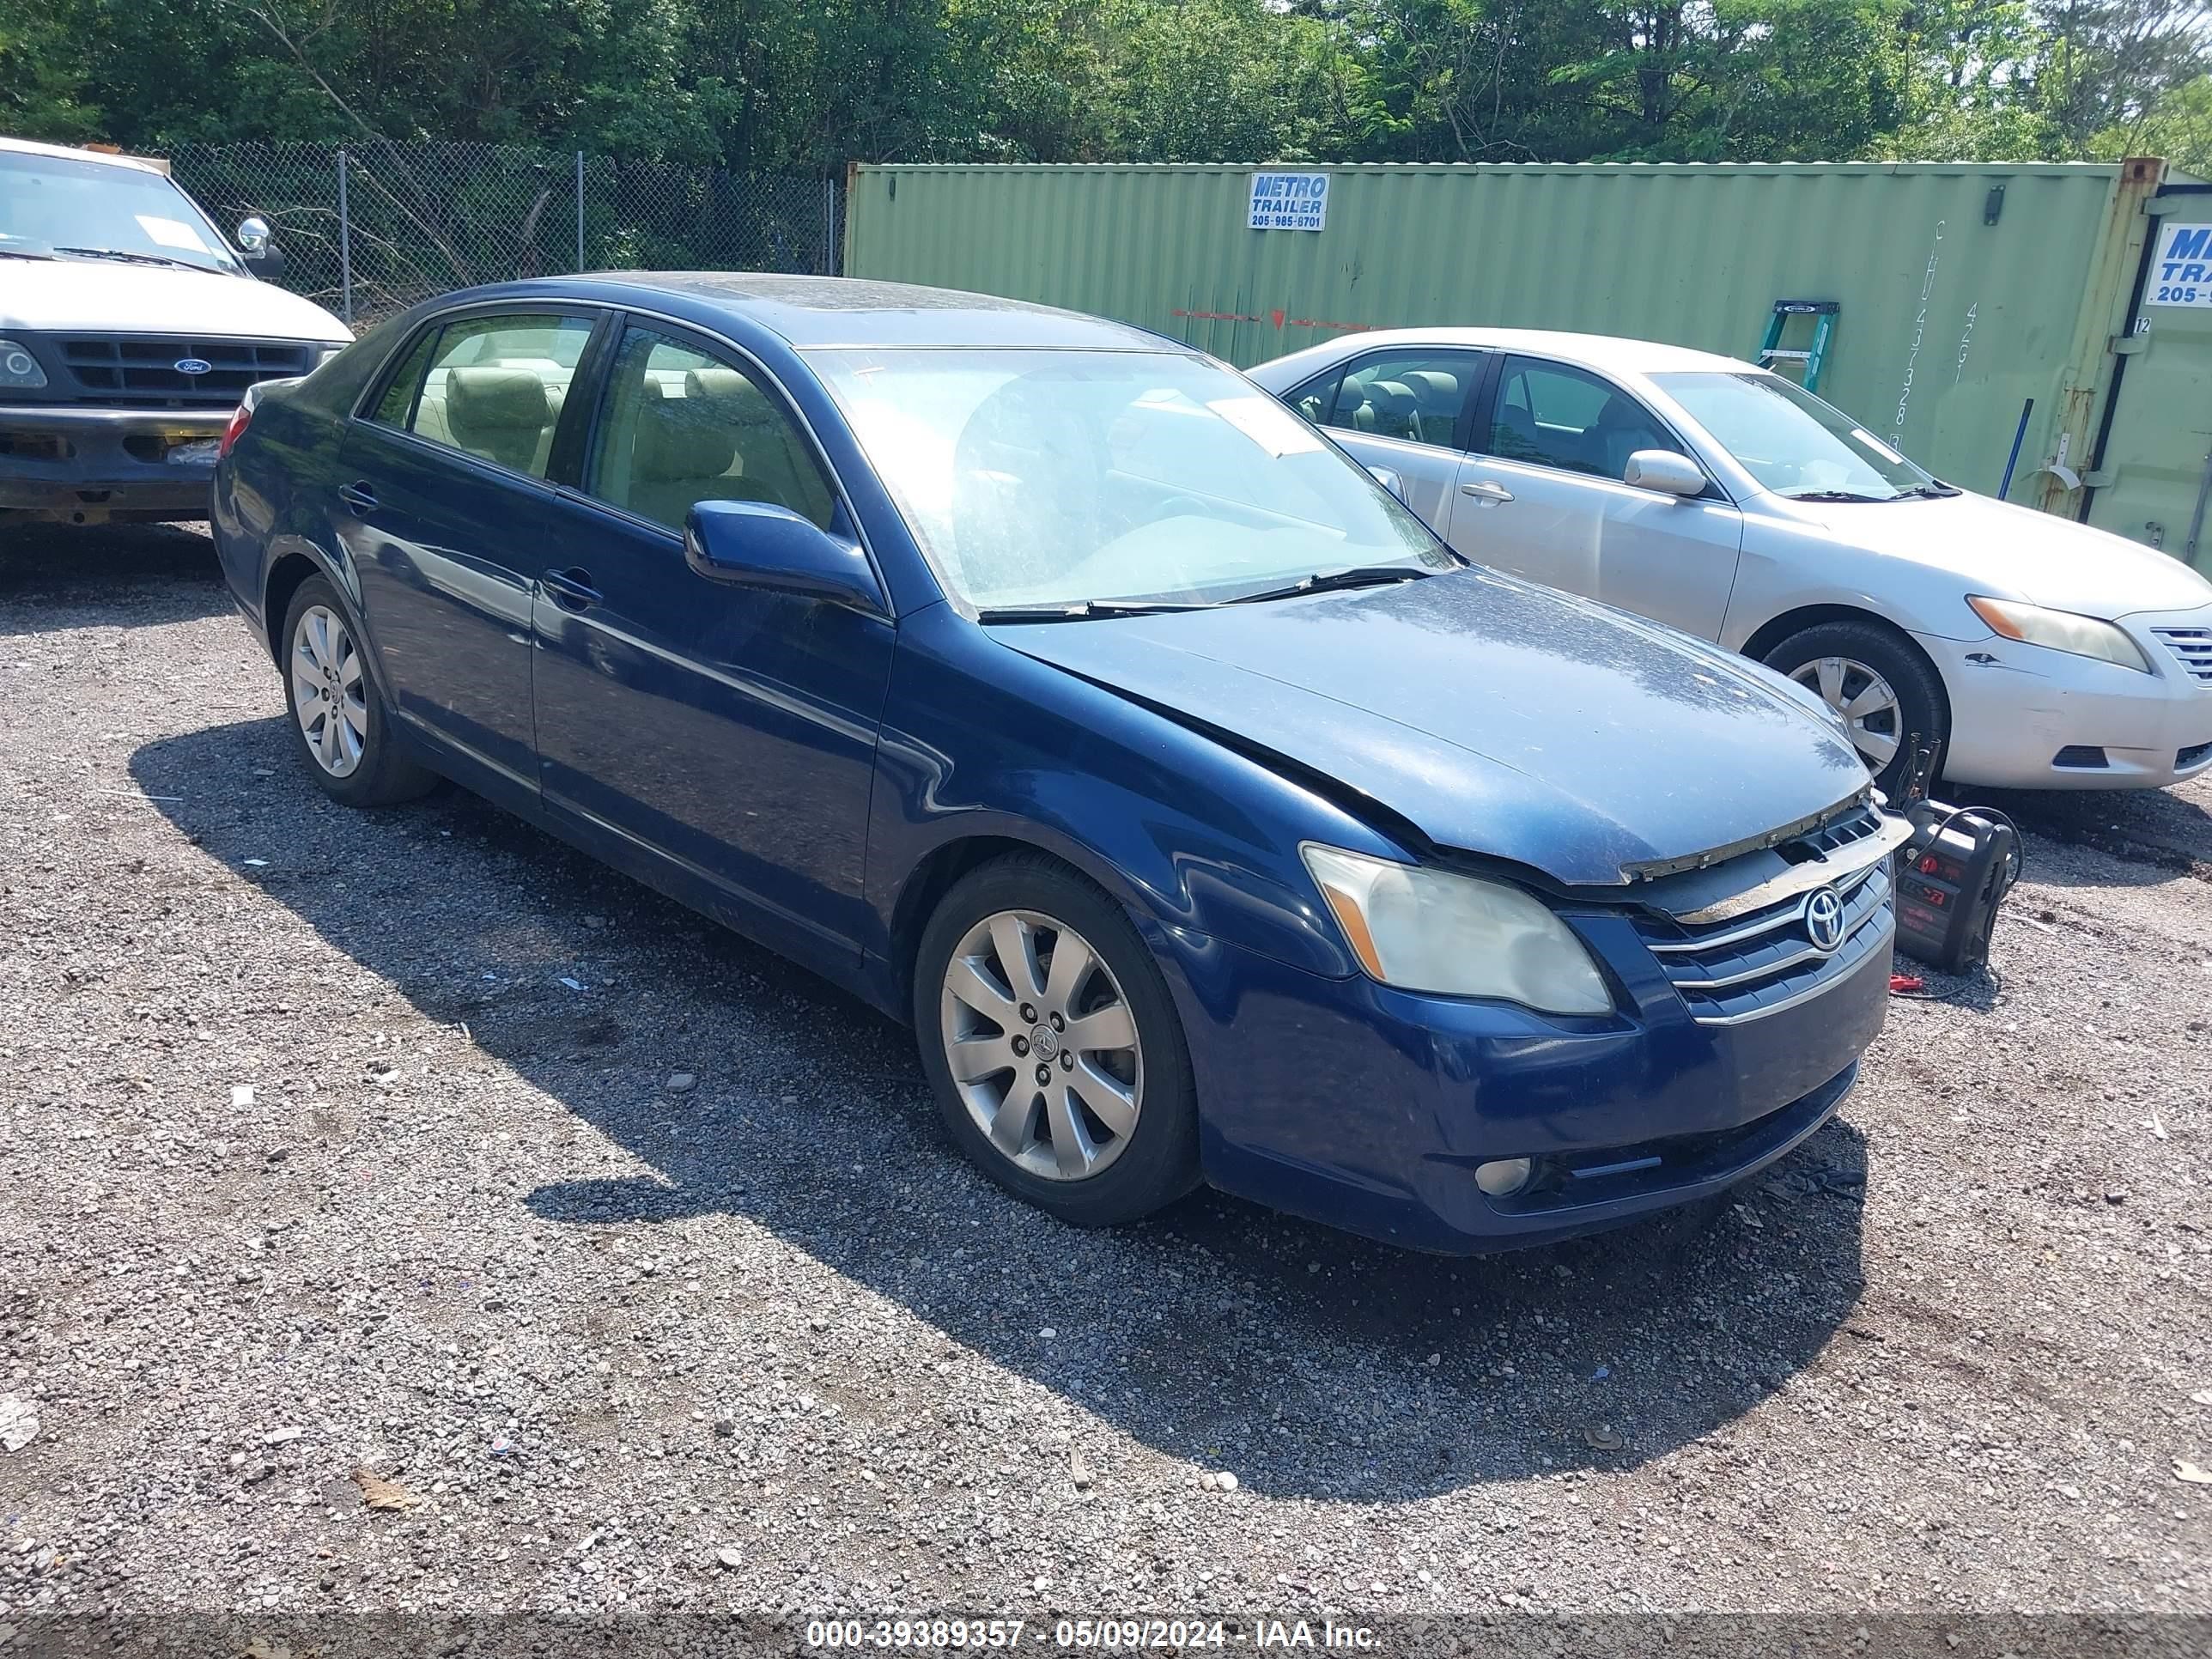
(2026, 651)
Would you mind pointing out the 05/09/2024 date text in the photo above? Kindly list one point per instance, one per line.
(1111, 1635)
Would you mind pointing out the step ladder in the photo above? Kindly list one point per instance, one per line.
(1810, 357)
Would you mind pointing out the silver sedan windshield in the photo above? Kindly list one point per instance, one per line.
(1791, 441)
(1039, 479)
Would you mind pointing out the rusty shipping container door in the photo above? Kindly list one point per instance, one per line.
(2153, 479)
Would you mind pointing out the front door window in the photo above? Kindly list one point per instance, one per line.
(1550, 415)
(681, 426)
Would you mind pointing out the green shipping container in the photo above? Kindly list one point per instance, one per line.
(1963, 289)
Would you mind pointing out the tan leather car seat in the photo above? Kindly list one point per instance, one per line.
(503, 415)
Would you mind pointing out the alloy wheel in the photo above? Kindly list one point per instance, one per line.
(1867, 701)
(330, 698)
(1042, 1045)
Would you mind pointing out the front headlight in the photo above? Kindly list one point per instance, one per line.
(19, 370)
(1425, 930)
(2061, 630)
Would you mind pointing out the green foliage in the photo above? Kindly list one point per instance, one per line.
(41, 82)
(1742, 80)
(807, 85)
(2178, 125)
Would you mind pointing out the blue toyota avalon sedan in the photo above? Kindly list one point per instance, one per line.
(1049, 686)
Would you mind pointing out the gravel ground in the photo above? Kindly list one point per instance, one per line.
(340, 1167)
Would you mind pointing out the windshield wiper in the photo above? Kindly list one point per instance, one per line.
(1835, 496)
(1935, 488)
(23, 253)
(1358, 576)
(1079, 609)
(133, 258)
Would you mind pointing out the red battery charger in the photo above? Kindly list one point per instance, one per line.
(1952, 873)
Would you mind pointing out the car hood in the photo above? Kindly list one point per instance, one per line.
(1493, 715)
(102, 296)
(2016, 552)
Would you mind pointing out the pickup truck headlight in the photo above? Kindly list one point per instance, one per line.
(2061, 630)
(19, 370)
(1426, 930)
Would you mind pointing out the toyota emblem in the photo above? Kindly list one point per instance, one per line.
(1824, 921)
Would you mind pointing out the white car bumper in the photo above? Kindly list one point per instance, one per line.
(2026, 717)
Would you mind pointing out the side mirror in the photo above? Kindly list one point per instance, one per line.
(262, 256)
(1665, 470)
(1388, 478)
(759, 546)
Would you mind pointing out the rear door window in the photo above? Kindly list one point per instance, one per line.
(491, 386)
(1416, 397)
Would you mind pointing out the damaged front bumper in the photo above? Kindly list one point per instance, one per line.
(73, 465)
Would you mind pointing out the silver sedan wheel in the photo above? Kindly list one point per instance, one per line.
(1042, 1045)
(1864, 699)
(329, 695)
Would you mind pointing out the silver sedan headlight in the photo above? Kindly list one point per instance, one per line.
(1426, 930)
(2061, 630)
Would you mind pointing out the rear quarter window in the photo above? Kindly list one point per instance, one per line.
(397, 401)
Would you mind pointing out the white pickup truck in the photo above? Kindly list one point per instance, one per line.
(130, 330)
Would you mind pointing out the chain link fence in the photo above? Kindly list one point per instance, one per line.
(369, 229)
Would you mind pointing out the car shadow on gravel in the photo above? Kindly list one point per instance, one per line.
(2152, 837)
(51, 574)
(1309, 1363)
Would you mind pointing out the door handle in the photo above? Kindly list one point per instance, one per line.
(358, 496)
(572, 588)
(1488, 491)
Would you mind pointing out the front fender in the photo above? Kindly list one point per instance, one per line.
(1786, 566)
(1191, 837)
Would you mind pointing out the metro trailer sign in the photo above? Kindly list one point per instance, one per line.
(2181, 271)
(1289, 201)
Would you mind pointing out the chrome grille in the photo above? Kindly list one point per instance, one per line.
(1759, 964)
(2191, 648)
(139, 371)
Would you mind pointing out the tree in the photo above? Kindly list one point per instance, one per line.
(41, 79)
(808, 85)
(2177, 125)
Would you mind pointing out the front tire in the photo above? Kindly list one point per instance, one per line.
(1877, 680)
(1048, 1034)
(339, 720)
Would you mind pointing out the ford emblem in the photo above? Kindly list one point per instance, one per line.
(193, 365)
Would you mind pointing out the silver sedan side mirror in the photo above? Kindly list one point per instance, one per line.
(1666, 471)
(1388, 478)
(253, 234)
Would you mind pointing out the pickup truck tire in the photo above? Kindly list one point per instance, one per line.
(337, 717)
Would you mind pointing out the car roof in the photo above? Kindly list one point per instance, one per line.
(1599, 351)
(31, 147)
(823, 311)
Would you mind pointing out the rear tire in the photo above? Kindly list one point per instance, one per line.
(1064, 1076)
(338, 719)
(1879, 683)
